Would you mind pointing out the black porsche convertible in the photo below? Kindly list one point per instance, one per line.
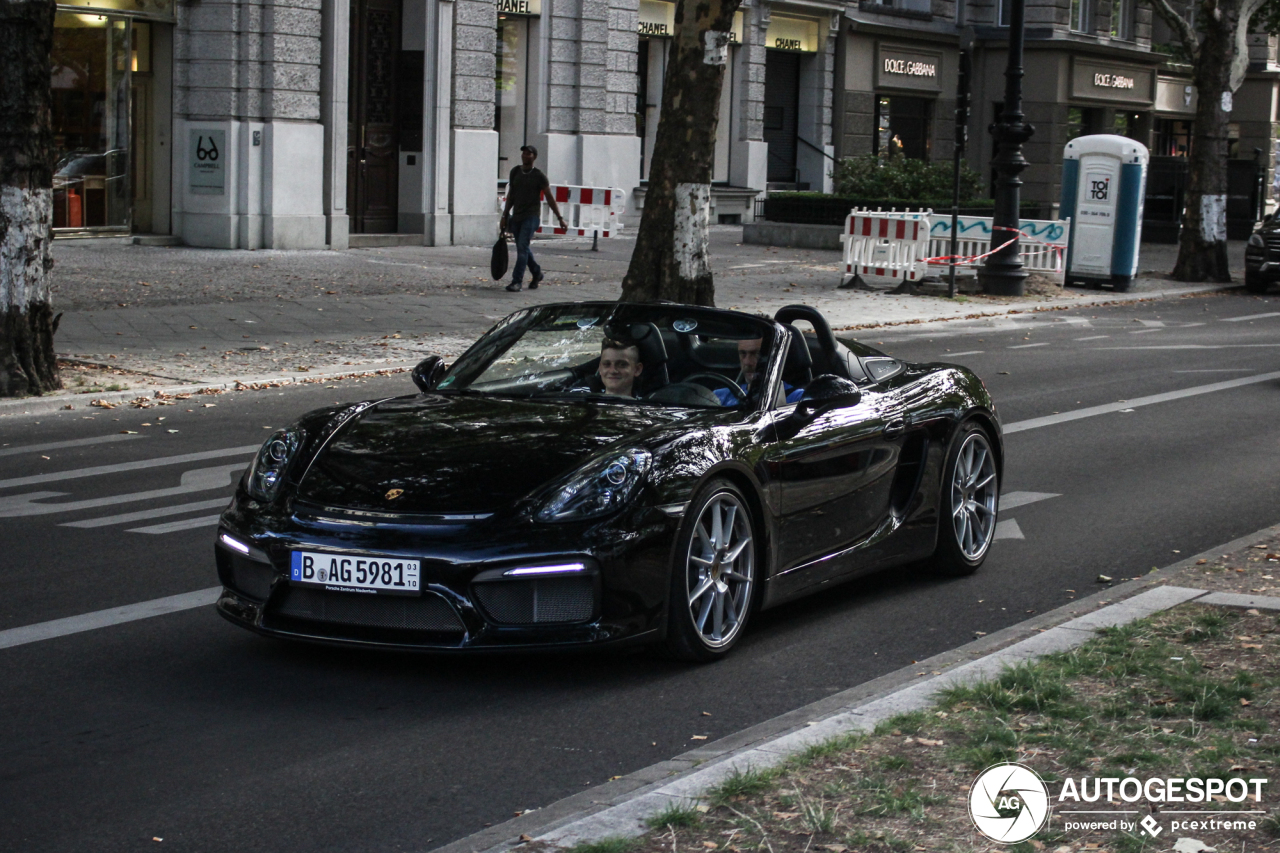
(600, 473)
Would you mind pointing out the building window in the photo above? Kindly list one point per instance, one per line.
(1128, 124)
(1082, 16)
(1122, 19)
(92, 61)
(1005, 12)
(919, 7)
(1081, 121)
(1171, 138)
(903, 127)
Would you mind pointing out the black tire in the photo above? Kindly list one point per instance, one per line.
(1255, 283)
(705, 625)
(968, 500)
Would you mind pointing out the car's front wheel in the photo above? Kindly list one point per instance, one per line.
(970, 497)
(1255, 283)
(714, 576)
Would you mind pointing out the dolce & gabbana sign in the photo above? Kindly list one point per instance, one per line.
(1112, 81)
(907, 68)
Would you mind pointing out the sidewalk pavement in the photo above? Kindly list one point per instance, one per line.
(621, 808)
(209, 318)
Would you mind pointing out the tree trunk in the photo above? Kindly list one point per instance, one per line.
(670, 258)
(27, 361)
(1202, 246)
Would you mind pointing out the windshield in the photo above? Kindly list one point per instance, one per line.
(669, 355)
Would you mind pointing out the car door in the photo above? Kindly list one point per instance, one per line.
(833, 479)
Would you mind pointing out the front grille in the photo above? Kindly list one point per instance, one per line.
(538, 601)
(427, 612)
(1273, 243)
(251, 577)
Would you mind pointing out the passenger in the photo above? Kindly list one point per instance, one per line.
(748, 362)
(619, 366)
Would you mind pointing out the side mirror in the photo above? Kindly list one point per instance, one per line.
(428, 372)
(821, 395)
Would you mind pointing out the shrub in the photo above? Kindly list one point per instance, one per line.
(869, 176)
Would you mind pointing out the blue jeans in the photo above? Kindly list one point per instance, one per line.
(522, 230)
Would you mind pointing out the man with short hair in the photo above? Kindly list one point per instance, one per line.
(522, 213)
(619, 367)
(748, 362)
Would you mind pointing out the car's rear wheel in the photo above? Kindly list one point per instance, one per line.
(714, 576)
(969, 500)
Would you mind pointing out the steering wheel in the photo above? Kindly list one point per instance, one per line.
(706, 377)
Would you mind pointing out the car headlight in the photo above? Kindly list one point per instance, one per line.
(266, 473)
(599, 487)
(1255, 240)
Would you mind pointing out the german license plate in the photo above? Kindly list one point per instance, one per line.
(342, 573)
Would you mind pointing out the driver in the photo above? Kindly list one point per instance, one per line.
(619, 366)
(748, 361)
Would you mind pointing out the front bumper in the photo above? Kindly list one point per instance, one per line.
(467, 601)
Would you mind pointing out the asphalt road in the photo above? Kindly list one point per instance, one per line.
(184, 728)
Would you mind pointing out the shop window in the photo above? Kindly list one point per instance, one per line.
(91, 120)
(1005, 12)
(903, 127)
(1122, 19)
(1082, 16)
(1081, 121)
(1127, 124)
(1171, 138)
(1233, 140)
(511, 84)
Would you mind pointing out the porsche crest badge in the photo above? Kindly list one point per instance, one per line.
(394, 493)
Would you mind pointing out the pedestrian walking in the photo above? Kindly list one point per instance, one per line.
(523, 212)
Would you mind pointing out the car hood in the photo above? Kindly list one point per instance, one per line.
(465, 454)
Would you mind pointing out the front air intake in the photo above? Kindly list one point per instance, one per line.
(538, 601)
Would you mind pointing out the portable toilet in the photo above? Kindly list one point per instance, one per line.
(1104, 181)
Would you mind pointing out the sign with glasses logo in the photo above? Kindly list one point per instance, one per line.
(207, 151)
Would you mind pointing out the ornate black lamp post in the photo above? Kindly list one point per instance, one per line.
(1002, 273)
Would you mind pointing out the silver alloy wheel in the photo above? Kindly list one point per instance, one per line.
(720, 570)
(974, 496)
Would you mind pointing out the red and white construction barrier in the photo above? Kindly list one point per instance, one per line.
(894, 245)
(588, 211)
(1042, 246)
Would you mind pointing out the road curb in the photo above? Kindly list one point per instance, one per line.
(1053, 305)
(57, 402)
(619, 807)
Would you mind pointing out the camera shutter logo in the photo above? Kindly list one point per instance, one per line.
(1009, 803)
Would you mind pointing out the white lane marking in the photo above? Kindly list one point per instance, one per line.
(76, 473)
(1153, 324)
(1219, 370)
(105, 618)
(145, 514)
(59, 445)
(1093, 338)
(1008, 530)
(174, 526)
(1145, 331)
(1195, 346)
(199, 480)
(1011, 500)
(958, 354)
(1027, 346)
(1078, 414)
(1250, 317)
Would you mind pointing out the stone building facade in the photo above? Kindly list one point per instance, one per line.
(312, 123)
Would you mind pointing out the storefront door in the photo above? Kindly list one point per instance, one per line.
(781, 110)
(372, 140)
(90, 117)
(511, 91)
